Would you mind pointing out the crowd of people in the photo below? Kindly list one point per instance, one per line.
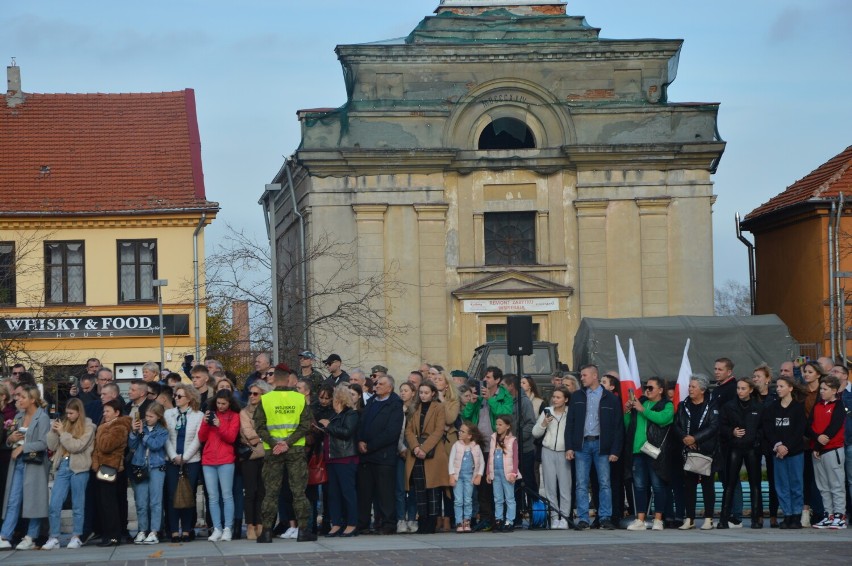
(298, 453)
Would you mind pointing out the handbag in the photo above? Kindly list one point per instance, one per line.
(34, 458)
(243, 450)
(317, 473)
(423, 438)
(107, 473)
(698, 463)
(654, 451)
(139, 474)
(184, 497)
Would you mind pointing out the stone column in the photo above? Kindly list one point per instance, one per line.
(370, 230)
(592, 248)
(654, 229)
(434, 323)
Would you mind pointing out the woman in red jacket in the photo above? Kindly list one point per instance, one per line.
(218, 432)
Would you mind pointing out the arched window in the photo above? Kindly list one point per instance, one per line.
(506, 133)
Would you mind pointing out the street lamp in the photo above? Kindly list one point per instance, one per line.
(159, 284)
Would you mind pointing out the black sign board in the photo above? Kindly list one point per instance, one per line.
(94, 326)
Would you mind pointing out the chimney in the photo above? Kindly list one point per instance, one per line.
(240, 322)
(14, 96)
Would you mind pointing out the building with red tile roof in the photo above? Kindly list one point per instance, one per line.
(801, 239)
(100, 196)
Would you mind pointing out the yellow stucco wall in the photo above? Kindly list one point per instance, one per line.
(173, 234)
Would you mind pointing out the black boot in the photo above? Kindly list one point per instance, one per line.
(757, 517)
(265, 536)
(237, 530)
(306, 535)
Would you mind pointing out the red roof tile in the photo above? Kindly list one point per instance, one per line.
(101, 153)
(825, 182)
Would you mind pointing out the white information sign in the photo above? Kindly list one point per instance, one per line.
(511, 305)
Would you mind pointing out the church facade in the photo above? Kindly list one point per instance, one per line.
(503, 159)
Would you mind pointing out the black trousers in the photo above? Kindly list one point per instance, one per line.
(736, 458)
(109, 496)
(377, 484)
(691, 482)
(485, 496)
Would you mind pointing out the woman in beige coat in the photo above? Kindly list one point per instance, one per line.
(426, 469)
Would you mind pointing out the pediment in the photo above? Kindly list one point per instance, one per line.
(514, 283)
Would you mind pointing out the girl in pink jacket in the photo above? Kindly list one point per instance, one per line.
(502, 472)
(466, 467)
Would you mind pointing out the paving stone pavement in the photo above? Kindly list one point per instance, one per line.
(754, 548)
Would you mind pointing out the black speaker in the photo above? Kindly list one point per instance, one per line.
(519, 335)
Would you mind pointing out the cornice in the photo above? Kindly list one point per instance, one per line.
(100, 223)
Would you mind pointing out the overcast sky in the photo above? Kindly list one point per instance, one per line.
(779, 68)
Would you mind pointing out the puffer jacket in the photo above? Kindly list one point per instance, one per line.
(110, 442)
(707, 435)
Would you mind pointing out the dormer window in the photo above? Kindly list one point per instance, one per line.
(506, 133)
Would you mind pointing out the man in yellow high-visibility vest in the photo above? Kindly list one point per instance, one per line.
(282, 420)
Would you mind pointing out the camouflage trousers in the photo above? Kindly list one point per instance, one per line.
(297, 474)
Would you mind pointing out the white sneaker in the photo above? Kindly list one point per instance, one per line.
(226, 535)
(687, 525)
(140, 537)
(401, 526)
(839, 522)
(413, 526)
(51, 543)
(26, 544)
(292, 532)
(734, 525)
(707, 525)
(151, 538)
(561, 524)
(4, 544)
(658, 525)
(75, 542)
(637, 525)
(216, 536)
(825, 523)
(806, 518)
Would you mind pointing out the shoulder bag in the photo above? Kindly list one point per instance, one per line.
(184, 497)
(107, 473)
(36, 458)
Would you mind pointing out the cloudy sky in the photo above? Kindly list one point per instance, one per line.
(779, 68)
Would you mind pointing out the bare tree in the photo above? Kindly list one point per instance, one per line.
(24, 275)
(732, 299)
(337, 306)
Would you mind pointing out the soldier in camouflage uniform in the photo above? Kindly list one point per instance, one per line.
(308, 371)
(284, 445)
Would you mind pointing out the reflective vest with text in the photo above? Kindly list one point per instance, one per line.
(283, 409)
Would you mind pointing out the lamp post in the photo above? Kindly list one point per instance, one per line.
(159, 284)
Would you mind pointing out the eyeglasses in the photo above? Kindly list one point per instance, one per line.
(648, 388)
(269, 374)
(180, 396)
(254, 394)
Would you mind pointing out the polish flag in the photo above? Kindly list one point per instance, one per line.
(625, 371)
(682, 385)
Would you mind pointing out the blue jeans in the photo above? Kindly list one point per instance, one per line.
(239, 499)
(16, 500)
(406, 502)
(504, 492)
(789, 484)
(63, 480)
(643, 471)
(149, 500)
(463, 490)
(219, 481)
(848, 466)
(587, 456)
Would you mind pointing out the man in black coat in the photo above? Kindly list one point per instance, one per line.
(378, 434)
(725, 392)
(594, 435)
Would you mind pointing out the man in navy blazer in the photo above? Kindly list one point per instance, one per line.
(594, 435)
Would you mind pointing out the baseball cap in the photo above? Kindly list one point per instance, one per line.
(307, 354)
(375, 369)
(332, 358)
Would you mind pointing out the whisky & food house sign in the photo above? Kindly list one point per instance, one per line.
(93, 326)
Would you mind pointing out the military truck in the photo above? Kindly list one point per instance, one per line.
(540, 365)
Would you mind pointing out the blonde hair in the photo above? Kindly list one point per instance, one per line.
(158, 409)
(191, 393)
(343, 396)
(35, 395)
(78, 427)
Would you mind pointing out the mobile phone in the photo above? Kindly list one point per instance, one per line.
(631, 396)
(546, 412)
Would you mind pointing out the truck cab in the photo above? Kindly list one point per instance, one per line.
(540, 365)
